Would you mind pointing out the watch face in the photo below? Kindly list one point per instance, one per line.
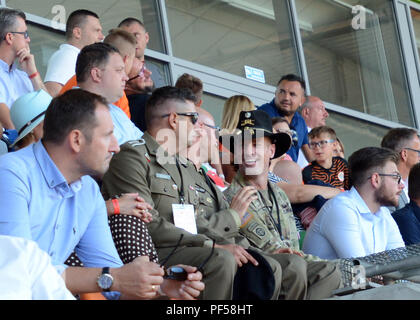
(105, 281)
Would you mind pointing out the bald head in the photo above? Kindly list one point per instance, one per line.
(314, 112)
(209, 142)
(205, 116)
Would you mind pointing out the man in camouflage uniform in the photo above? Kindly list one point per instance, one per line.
(148, 167)
(268, 222)
(213, 204)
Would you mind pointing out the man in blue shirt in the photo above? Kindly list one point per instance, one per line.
(356, 223)
(100, 69)
(14, 44)
(48, 196)
(289, 96)
(408, 217)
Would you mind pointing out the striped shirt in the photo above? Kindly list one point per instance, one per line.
(336, 176)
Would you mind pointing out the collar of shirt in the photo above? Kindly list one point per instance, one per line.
(5, 67)
(155, 149)
(405, 190)
(362, 208)
(295, 118)
(52, 174)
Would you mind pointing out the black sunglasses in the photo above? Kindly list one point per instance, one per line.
(212, 127)
(141, 74)
(193, 116)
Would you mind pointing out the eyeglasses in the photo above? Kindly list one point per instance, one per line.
(141, 73)
(24, 33)
(418, 151)
(320, 144)
(213, 127)
(396, 176)
(193, 116)
(177, 273)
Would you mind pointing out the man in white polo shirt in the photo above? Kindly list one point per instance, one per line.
(356, 222)
(82, 28)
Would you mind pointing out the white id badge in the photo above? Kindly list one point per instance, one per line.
(184, 217)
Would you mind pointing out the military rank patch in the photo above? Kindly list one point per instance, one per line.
(163, 176)
(147, 157)
(246, 218)
(260, 232)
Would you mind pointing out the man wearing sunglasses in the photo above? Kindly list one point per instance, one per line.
(406, 142)
(357, 223)
(14, 45)
(151, 168)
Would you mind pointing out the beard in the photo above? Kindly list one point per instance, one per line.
(384, 199)
(288, 112)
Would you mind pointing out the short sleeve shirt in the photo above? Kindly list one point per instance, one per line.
(62, 64)
(298, 124)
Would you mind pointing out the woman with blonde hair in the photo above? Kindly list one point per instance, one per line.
(231, 110)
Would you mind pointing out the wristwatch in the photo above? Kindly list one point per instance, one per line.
(105, 280)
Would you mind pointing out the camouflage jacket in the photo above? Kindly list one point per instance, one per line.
(261, 222)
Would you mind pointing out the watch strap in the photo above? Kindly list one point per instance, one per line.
(105, 270)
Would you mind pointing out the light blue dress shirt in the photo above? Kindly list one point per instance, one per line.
(124, 129)
(38, 204)
(345, 228)
(13, 83)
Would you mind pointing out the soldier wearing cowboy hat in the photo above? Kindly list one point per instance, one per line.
(268, 223)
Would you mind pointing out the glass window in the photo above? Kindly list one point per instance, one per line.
(355, 133)
(229, 35)
(160, 72)
(415, 14)
(44, 42)
(353, 56)
(214, 104)
(110, 13)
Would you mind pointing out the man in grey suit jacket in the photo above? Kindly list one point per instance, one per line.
(406, 142)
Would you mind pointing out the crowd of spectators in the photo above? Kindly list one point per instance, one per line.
(115, 186)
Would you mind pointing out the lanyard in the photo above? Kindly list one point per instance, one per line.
(270, 212)
(181, 192)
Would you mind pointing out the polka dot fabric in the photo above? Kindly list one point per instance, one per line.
(73, 261)
(131, 238)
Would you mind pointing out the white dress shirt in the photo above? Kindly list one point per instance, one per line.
(301, 161)
(13, 83)
(345, 228)
(26, 272)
